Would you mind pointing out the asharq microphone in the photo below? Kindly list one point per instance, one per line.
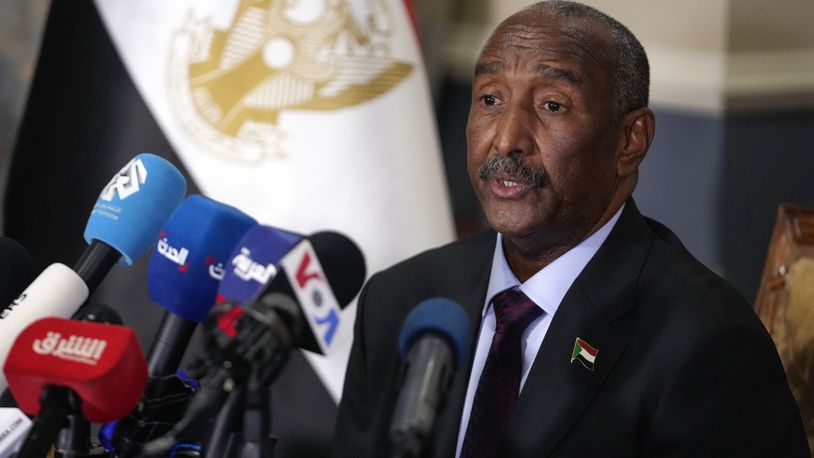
(128, 214)
(188, 264)
(57, 365)
(300, 306)
(16, 271)
(73, 439)
(433, 343)
(14, 427)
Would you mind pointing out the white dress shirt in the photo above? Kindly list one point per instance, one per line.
(546, 288)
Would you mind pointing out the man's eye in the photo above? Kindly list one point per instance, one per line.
(553, 106)
(489, 100)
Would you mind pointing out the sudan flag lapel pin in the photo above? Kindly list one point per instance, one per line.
(584, 353)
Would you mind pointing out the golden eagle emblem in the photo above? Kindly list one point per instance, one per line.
(230, 85)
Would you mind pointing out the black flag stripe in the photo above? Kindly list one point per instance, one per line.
(84, 119)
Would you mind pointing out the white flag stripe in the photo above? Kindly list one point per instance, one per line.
(588, 357)
(371, 170)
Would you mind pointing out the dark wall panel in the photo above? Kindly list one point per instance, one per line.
(769, 159)
(678, 181)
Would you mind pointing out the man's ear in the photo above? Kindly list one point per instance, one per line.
(638, 127)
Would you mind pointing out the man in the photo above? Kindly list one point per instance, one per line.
(631, 347)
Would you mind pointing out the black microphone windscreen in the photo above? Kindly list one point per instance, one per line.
(16, 270)
(342, 262)
(98, 313)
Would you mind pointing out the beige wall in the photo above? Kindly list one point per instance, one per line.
(705, 55)
(765, 26)
(693, 25)
(734, 26)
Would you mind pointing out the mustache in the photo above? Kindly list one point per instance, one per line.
(512, 166)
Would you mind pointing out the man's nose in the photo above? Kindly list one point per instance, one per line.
(515, 131)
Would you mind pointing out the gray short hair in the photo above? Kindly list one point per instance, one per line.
(631, 79)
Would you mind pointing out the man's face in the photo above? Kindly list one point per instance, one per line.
(541, 136)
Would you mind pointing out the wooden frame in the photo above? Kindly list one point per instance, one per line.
(785, 303)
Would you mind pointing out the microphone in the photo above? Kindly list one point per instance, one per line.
(185, 270)
(183, 276)
(252, 265)
(16, 271)
(320, 276)
(58, 291)
(73, 439)
(58, 366)
(253, 262)
(14, 427)
(299, 306)
(434, 341)
(98, 313)
(124, 221)
(128, 214)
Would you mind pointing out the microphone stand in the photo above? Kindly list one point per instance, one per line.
(227, 427)
(57, 402)
(73, 440)
(257, 442)
(241, 429)
(61, 423)
(253, 359)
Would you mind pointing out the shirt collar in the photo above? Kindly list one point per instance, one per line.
(548, 286)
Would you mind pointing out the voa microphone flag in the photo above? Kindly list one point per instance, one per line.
(308, 115)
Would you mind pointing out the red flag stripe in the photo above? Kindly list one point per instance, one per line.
(408, 4)
(593, 351)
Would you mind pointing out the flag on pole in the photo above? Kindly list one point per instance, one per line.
(306, 114)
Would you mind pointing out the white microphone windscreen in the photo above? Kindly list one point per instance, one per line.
(57, 292)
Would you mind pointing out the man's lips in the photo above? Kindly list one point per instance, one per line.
(507, 187)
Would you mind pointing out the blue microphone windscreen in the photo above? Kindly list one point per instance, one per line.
(134, 204)
(440, 316)
(191, 254)
(253, 262)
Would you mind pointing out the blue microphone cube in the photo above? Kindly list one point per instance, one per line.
(191, 255)
(253, 262)
(134, 204)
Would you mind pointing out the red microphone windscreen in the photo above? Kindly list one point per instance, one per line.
(102, 363)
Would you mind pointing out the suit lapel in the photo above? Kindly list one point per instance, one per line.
(468, 288)
(558, 390)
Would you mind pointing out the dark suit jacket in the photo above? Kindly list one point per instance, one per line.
(684, 368)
